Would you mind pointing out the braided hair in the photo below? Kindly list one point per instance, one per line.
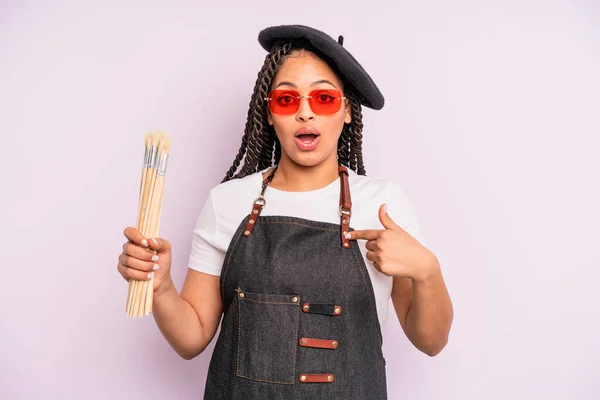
(260, 148)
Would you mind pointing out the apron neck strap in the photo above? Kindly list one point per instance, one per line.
(345, 205)
(267, 181)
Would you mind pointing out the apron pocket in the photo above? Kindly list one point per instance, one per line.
(267, 336)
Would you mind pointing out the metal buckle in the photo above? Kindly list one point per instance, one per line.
(342, 211)
(261, 200)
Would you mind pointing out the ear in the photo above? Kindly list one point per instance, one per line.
(269, 117)
(348, 113)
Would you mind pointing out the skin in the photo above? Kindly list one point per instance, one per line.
(189, 320)
(300, 170)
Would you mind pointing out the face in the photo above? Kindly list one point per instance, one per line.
(308, 136)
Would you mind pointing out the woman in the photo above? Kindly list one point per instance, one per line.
(302, 294)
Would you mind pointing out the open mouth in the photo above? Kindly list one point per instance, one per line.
(307, 137)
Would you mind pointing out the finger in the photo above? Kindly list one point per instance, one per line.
(376, 266)
(141, 253)
(371, 256)
(135, 236)
(129, 273)
(364, 234)
(160, 245)
(374, 258)
(385, 218)
(371, 245)
(136, 264)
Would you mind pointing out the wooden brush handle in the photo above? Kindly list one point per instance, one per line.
(150, 199)
(142, 198)
(142, 214)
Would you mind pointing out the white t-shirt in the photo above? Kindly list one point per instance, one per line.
(230, 202)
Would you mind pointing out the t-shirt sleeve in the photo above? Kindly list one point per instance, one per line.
(402, 212)
(205, 255)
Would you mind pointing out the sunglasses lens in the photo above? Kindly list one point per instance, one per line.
(325, 101)
(322, 102)
(284, 102)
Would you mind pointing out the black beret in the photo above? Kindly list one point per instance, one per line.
(334, 53)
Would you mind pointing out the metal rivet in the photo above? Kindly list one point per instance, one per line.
(334, 344)
(303, 341)
(251, 221)
(241, 295)
(295, 299)
(329, 378)
(345, 233)
(305, 308)
(346, 245)
(255, 211)
(246, 233)
(303, 378)
(345, 222)
(337, 311)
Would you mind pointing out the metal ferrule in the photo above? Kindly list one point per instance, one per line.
(146, 158)
(162, 169)
(153, 158)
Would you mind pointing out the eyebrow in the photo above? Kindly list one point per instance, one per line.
(313, 84)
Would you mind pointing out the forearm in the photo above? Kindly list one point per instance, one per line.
(430, 316)
(178, 322)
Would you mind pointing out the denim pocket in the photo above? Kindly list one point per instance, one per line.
(267, 336)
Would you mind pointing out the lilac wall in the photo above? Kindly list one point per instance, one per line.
(491, 126)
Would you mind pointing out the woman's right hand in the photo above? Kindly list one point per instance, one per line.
(137, 260)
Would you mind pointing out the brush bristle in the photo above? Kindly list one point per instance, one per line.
(167, 143)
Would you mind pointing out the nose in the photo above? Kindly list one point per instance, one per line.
(305, 113)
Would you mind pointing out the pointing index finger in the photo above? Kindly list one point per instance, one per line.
(366, 234)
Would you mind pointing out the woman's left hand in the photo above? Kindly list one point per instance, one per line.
(394, 252)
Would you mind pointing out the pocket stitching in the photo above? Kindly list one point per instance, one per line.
(296, 341)
(240, 335)
(268, 302)
(263, 380)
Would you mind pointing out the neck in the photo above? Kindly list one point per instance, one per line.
(293, 177)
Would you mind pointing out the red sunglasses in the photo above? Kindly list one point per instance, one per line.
(321, 101)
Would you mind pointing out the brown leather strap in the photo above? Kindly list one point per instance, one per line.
(319, 343)
(345, 205)
(325, 309)
(259, 204)
(316, 378)
(345, 199)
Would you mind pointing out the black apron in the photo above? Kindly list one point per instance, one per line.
(299, 319)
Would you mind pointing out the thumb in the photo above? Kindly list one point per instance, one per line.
(160, 245)
(385, 218)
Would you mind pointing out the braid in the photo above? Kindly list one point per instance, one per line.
(344, 147)
(356, 156)
(240, 155)
(277, 153)
(260, 147)
(261, 142)
(256, 133)
(350, 142)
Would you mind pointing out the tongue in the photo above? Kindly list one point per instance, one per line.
(307, 138)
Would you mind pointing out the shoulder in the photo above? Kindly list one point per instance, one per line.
(367, 185)
(370, 193)
(232, 200)
(377, 188)
(237, 185)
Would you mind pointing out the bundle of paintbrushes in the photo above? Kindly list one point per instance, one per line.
(139, 297)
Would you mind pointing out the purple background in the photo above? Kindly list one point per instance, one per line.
(491, 125)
